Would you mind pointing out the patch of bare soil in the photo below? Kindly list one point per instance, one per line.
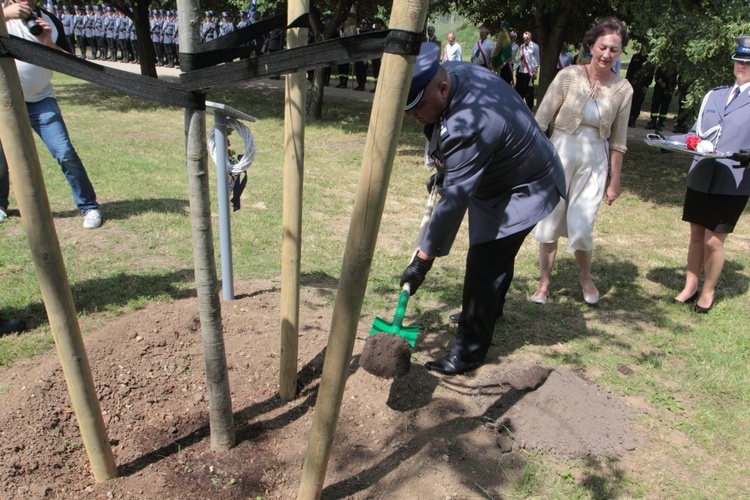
(418, 436)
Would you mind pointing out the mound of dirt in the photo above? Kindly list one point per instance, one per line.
(566, 414)
(386, 355)
(419, 435)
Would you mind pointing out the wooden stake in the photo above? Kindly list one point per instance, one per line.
(31, 195)
(206, 281)
(380, 150)
(294, 166)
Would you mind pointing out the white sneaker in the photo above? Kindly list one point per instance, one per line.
(3, 215)
(92, 219)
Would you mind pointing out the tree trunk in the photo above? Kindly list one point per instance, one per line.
(551, 32)
(146, 56)
(221, 420)
(315, 96)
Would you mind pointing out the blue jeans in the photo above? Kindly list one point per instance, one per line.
(47, 121)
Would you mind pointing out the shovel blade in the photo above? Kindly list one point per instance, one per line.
(408, 333)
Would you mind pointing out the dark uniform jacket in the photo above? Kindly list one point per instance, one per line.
(498, 163)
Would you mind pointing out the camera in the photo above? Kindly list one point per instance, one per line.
(32, 25)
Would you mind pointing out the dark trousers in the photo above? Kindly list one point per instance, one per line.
(112, 46)
(507, 74)
(360, 71)
(489, 272)
(660, 102)
(525, 88)
(376, 69)
(101, 43)
(638, 97)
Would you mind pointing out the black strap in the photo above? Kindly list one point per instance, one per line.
(328, 53)
(151, 89)
(403, 42)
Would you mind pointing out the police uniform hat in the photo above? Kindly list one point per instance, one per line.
(96, 7)
(110, 9)
(88, 7)
(225, 14)
(209, 13)
(76, 7)
(65, 8)
(743, 49)
(424, 69)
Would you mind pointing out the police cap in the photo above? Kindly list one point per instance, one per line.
(65, 8)
(225, 14)
(424, 69)
(743, 49)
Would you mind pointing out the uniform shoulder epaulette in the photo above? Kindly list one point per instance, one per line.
(720, 87)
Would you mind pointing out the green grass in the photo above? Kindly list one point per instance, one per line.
(689, 371)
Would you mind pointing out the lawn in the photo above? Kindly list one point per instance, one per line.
(691, 371)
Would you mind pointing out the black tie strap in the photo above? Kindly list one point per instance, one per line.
(151, 89)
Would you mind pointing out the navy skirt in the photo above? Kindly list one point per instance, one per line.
(717, 212)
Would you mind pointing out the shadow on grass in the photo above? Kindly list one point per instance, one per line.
(733, 282)
(112, 292)
(125, 209)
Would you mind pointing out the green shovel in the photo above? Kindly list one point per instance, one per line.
(408, 333)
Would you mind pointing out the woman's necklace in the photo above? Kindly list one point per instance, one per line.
(595, 85)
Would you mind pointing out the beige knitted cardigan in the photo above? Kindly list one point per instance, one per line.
(566, 97)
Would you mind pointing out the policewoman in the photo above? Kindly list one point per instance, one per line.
(497, 164)
(717, 189)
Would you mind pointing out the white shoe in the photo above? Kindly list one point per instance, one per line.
(3, 215)
(92, 219)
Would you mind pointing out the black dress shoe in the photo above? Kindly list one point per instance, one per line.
(457, 316)
(361, 89)
(702, 310)
(692, 298)
(11, 325)
(452, 365)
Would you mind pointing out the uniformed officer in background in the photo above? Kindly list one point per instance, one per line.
(208, 27)
(110, 33)
(78, 33)
(66, 18)
(496, 163)
(99, 34)
(226, 25)
(168, 36)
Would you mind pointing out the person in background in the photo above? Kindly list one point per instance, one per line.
(496, 164)
(377, 25)
(664, 83)
(360, 67)
(590, 106)
(483, 49)
(717, 188)
(226, 25)
(564, 58)
(44, 113)
(527, 67)
(639, 75)
(452, 50)
(432, 38)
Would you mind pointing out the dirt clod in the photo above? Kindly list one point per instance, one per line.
(386, 355)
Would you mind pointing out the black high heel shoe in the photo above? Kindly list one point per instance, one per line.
(692, 298)
(702, 310)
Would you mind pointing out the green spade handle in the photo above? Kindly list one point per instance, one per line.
(403, 300)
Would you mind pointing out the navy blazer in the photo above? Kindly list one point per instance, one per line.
(497, 162)
(717, 176)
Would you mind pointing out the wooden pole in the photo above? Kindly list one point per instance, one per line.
(206, 281)
(31, 195)
(380, 150)
(294, 166)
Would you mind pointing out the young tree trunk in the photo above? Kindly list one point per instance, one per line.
(206, 281)
(315, 96)
(146, 56)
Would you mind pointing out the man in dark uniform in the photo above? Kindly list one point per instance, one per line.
(496, 163)
(639, 74)
(121, 33)
(664, 83)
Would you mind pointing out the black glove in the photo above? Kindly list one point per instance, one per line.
(415, 273)
(436, 179)
(742, 156)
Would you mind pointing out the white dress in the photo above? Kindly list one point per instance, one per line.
(585, 159)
